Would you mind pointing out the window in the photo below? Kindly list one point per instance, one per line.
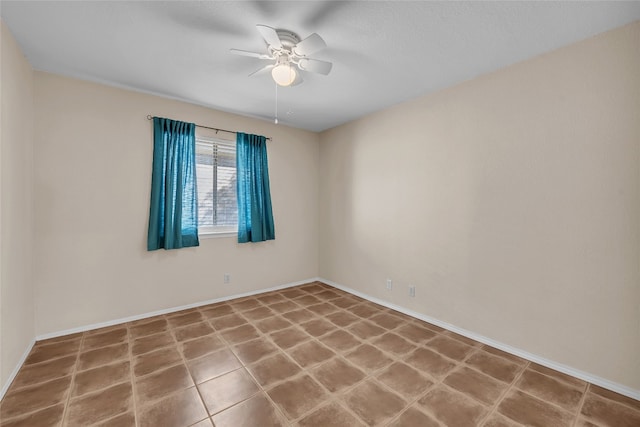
(216, 175)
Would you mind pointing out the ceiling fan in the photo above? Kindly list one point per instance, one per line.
(289, 54)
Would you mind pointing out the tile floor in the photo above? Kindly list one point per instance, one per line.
(305, 356)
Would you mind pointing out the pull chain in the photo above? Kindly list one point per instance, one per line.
(276, 120)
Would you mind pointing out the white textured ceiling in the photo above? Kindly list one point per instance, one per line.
(382, 52)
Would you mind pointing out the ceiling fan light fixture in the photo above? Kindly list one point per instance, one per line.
(284, 74)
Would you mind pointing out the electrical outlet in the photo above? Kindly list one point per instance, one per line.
(412, 291)
(389, 284)
(227, 278)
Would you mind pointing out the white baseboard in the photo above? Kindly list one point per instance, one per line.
(5, 386)
(169, 310)
(602, 382)
(15, 371)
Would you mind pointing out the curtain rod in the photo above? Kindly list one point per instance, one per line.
(150, 117)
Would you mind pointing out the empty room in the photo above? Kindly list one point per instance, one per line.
(320, 213)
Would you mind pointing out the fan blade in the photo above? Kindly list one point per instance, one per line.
(311, 44)
(251, 54)
(262, 70)
(315, 66)
(270, 36)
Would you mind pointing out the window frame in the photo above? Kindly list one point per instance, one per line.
(215, 231)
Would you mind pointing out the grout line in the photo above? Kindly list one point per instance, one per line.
(132, 376)
(73, 377)
(499, 400)
(171, 330)
(245, 367)
(579, 408)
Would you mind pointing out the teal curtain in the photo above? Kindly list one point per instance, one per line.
(255, 219)
(173, 214)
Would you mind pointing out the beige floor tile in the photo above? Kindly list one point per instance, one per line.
(609, 413)
(365, 330)
(156, 360)
(227, 390)
(337, 374)
(44, 352)
(611, 395)
(284, 306)
(550, 389)
(297, 396)
(45, 371)
(323, 308)
(289, 337)
(273, 369)
(475, 384)
(318, 327)
(430, 363)
(216, 310)
(307, 300)
(176, 321)
(151, 342)
(578, 383)
(528, 410)
(494, 366)
(449, 347)
(330, 415)
(415, 333)
(342, 318)
(270, 298)
(300, 315)
(181, 409)
(99, 406)
(510, 357)
(368, 358)
(149, 328)
(200, 346)
(392, 343)
(28, 399)
(103, 356)
(128, 419)
(229, 321)
(102, 377)
(272, 324)
(387, 321)
(254, 350)
(240, 334)
(413, 417)
(373, 404)
(453, 408)
(213, 365)
(245, 414)
(405, 380)
(192, 331)
(497, 420)
(340, 341)
(310, 353)
(346, 302)
(258, 313)
(51, 416)
(162, 383)
(113, 336)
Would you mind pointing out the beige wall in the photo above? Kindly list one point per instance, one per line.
(16, 205)
(511, 202)
(92, 184)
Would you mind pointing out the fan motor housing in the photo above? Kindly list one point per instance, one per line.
(288, 38)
